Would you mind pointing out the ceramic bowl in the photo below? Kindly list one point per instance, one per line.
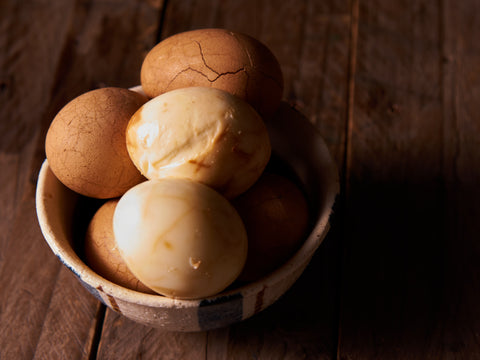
(294, 140)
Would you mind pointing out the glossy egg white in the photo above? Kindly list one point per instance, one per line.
(180, 238)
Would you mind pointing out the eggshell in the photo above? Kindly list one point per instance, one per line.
(218, 58)
(101, 252)
(85, 143)
(180, 238)
(276, 215)
(203, 134)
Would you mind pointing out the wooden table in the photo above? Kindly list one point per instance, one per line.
(394, 89)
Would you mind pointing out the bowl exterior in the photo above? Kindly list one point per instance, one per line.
(297, 142)
(207, 314)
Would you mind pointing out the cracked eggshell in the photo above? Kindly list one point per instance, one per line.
(180, 238)
(217, 58)
(85, 143)
(203, 134)
(101, 252)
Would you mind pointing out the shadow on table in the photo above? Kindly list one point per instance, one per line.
(410, 280)
(400, 276)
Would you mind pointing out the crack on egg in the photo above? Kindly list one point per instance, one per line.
(212, 69)
(217, 73)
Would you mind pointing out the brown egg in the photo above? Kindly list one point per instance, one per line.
(276, 216)
(85, 143)
(217, 58)
(102, 254)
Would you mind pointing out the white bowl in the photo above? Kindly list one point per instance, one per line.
(296, 141)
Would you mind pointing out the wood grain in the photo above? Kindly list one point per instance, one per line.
(125, 339)
(27, 269)
(69, 327)
(408, 280)
(457, 329)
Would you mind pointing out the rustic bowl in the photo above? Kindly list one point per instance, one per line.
(296, 141)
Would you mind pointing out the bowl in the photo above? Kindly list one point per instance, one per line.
(297, 143)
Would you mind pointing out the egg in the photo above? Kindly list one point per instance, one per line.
(85, 144)
(276, 216)
(101, 252)
(217, 58)
(180, 238)
(203, 134)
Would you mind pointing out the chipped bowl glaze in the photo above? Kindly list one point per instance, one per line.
(296, 141)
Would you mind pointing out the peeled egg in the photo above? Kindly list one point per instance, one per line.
(180, 238)
(217, 58)
(276, 216)
(85, 143)
(101, 252)
(203, 134)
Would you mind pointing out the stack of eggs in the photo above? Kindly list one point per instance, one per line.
(189, 207)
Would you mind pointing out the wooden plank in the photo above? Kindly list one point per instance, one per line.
(457, 330)
(27, 271)
(27, 275)
(125, 339)
(67, 47)
(311, 41)
(22, 100)
(69, 327)
(410, 284)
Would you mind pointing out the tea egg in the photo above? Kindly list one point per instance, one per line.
(203, 134)
(85, 143)
(101, 252)
(276, 216)
(226, 60)
(180, 238)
